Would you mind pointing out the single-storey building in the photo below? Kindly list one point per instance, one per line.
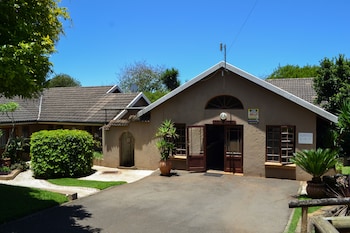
(228, 120)
(85, 108)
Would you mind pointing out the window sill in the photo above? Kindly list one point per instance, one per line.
(280, 165)
(179, 157)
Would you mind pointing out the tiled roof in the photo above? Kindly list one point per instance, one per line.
(71, 105)
(301, 87)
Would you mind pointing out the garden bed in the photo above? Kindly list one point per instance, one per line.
(11, 175)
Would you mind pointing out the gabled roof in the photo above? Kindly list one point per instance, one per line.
(262, 83)
(91, 105)
(301, 87)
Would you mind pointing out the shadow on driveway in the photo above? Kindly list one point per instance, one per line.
(185, 202)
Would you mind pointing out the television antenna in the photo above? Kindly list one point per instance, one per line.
(223, 48)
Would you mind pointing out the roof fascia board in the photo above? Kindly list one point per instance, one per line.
(179, 89)
(131, 104)
(317, 110)
(113, 89)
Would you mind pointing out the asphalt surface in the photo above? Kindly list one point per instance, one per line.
(184, 202)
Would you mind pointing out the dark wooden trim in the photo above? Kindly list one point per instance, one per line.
(216, 122)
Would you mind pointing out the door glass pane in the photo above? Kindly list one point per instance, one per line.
(233, 142)
(196, 136)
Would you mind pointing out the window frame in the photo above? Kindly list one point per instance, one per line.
(180, 142)
(281, 139)
(224, 102)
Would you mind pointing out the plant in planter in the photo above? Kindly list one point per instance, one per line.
(166, 145)
(4, 170)
(316, 163)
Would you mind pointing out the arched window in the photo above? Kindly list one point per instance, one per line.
(224, 102)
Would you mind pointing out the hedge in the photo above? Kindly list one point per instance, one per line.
(61, 153)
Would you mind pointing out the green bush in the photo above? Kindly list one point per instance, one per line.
(61, 153)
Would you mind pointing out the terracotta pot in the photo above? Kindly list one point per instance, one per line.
(316, 189)
(165, 167)
(6, 162)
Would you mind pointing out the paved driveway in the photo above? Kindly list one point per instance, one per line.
(187, 202)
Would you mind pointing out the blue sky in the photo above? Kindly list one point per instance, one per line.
(106, 35)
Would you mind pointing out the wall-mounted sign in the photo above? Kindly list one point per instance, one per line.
(305, 138)
(253, 115)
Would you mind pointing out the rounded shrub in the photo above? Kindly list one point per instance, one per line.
(61, 153)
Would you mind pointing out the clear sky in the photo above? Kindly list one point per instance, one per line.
(106, 35)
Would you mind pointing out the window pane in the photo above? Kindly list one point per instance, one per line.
(280, 143)
(180, 142)
(273, 144)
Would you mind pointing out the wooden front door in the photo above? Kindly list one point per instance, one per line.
(233, 155)
(196, 155)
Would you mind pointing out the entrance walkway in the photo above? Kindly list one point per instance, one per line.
(184, 202)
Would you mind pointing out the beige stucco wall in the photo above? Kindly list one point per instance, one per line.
(189, 107)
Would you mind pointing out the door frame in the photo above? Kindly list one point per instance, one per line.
(196, 160)
(233, 160)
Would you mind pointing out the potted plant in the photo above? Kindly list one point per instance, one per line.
(166, 145)
(316, 163)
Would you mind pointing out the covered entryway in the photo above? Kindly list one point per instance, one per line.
(127, 144)
(225, 147)
(215, 146)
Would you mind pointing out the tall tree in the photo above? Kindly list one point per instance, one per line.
(28, 33)
(63, 80)
(332, 84)
(294, 71)
(170, 78)
(141, 76)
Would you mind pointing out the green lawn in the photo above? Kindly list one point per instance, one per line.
(85, 183)
(18, 201)
(297, 215)
(345, 170)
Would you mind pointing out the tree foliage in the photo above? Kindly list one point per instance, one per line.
(63, 80)
(170, 79)
(332, 83)
(8, 109)
(28, 33)
(342, 129)
(154, 81)
(141, 76)
(294, 71)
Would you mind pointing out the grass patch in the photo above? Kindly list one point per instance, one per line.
(297, 215)
(85, 183)
(345, 170)
(18, 201)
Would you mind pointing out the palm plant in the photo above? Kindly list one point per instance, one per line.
(167, 134)
(315, 162)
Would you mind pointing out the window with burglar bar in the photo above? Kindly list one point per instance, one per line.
(280, 143)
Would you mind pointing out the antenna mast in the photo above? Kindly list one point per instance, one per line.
(223, 47)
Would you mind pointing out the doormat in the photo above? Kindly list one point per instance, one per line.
(213, 174)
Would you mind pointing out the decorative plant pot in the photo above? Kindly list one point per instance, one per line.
(315, 189)
(6, 162)
(165, 167)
